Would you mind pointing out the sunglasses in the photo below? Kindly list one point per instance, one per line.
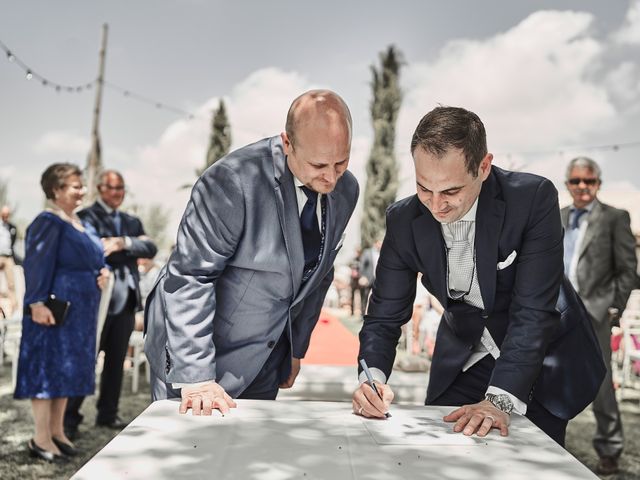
(587, 181)
(115, 188)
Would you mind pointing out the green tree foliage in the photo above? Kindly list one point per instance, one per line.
(220, 140)
(382, 170)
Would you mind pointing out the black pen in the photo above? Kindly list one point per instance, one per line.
(365, 368)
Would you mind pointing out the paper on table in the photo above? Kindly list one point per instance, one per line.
(417, 429)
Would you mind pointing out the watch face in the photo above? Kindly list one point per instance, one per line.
(502, 402)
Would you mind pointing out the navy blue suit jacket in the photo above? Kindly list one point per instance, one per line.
(124, 260)
(548, 349)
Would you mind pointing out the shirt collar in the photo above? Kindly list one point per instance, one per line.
(299, 184)
(588, 208)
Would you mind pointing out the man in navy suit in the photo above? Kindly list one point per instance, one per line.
(124, 241)
(514, 336)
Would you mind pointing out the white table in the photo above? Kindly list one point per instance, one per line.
(279, 440)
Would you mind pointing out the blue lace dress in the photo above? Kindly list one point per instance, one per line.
(59, 361)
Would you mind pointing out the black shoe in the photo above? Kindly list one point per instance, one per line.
(65, 448)
(37, 452)
(116, 423)
(607, 466)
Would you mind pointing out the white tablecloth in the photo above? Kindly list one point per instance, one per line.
(279, 440)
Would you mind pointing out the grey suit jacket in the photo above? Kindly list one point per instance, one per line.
(233, 284)
(607, 262)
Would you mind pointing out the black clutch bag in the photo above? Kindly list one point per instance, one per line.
(59, 308)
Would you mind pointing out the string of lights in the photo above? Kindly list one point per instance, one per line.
(31, 74)
(149, 101)
(561, 151)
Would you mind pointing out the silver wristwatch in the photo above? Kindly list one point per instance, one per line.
(501, 401)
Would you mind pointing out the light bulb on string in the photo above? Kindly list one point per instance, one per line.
(10, 57)
(29, 75)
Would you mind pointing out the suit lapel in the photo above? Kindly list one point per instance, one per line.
(592, 227)
(108, 228)
(489, 220)
(287, 206)
(427, 237)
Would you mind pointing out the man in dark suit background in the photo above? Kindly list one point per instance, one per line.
(124, 241)
(489, 245)
(600, 260)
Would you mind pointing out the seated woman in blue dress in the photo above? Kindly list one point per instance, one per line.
(65, 259)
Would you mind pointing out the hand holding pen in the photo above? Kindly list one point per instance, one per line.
(372, 400)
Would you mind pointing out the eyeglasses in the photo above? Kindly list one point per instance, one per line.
(587, 181)
(115, 188)
(74, 186)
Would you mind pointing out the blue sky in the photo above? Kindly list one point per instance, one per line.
(544, 76)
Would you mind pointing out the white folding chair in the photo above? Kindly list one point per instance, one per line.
(138, 358)
(631, 351)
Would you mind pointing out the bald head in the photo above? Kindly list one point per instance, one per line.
(317, 140)
(5, 213)
(318, 109)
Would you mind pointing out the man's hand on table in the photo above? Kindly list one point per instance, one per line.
(479, 418)
(295, 369)
(202, 399)
(367, 403)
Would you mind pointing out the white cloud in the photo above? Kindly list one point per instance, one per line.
(257, 108)
(624, 84)
(62, 142)
(630, 31)
(533, 85)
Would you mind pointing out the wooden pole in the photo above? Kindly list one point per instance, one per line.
(94, 160)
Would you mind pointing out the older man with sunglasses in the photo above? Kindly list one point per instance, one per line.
(600, 260)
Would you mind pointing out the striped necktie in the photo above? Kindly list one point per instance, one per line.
(460, 260)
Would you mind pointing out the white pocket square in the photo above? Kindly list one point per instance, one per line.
(344, 234)
(507, 261)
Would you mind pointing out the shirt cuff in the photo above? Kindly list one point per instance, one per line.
(199, 384)
(127, 242)
(519, 406)
(377, 374)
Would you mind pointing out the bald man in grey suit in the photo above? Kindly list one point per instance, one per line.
(600, 260)
(232, 313)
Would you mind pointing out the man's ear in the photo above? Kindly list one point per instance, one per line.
(485, 166)
(286, 143)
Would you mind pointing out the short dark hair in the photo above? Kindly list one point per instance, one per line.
(55, 176)
(452, 127)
